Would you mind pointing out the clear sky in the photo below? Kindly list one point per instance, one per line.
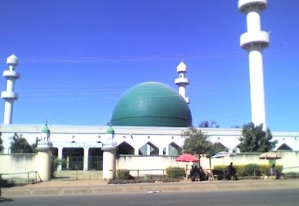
(78, 57)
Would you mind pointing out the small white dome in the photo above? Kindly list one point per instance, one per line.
(181, 67)
(12, 60)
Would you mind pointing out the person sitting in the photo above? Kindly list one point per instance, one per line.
(272, 172)
(192, 174)
(196, 173)
(231, 173)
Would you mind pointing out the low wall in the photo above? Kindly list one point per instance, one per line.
(23, 163)
(17, 163)
(156, 164)
(79, 175)
(141, 165)
(19, 167)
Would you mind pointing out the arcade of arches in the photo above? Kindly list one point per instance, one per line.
(91, 158)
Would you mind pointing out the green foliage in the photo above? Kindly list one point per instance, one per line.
(250, 169)
(196, 142)
(1, 143)
(236, 126)
(124, 174)
(55, 163)
(214, 148)
(20, 145)
(254, 139)
(265, 168)
(240, 168)
(175, 172)
(207, 124)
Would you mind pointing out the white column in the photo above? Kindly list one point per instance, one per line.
(136, 150)
(85, 163)
(7, 143)
(167, 150)
(8, 112)
(44, 164)
(109, 163)
(253, 21)
(148, 149)
(59, 158)
(161, 150)
(67, 162)
(257, 88)
(182, 91)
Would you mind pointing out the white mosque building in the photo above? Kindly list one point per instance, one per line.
(149, 119)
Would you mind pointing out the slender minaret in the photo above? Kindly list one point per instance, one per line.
(182, 81)
(9, 95)
(254, 41)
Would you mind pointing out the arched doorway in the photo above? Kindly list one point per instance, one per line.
(125, 148)
(172, 150)
(73, 158)
(95, 159)
(149, 149)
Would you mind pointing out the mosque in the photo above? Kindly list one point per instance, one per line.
(149, 119)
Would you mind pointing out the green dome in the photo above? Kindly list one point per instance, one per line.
(152, 104)
(110, 130)
(45, 129)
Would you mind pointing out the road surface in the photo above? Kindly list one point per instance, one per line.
(285, 197)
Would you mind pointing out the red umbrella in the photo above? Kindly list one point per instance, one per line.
(187, 158)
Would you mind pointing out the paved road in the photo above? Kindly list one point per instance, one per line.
(275, 197)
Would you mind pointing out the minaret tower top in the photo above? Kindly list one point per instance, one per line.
(182, 81)
(9, 95)
(12, 61)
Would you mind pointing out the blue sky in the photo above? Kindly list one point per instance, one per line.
(77, 59)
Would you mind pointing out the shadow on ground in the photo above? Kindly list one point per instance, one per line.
(5, 199)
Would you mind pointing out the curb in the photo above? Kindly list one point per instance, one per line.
(151, 188)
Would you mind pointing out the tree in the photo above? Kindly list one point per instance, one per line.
(236, 126)
(207, 124)
(254, 139)
(196, 142)
(20, 145)
(213, 149)
(1, 143)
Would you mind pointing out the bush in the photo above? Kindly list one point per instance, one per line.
(124, 174)
(175, 172)
(265, 168)
(55, 163)
(250, 169)
(6, 183)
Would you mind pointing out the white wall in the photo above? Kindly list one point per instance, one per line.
(147, 164)
(18, 163)
(290, 162)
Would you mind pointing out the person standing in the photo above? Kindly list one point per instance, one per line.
(232, 172)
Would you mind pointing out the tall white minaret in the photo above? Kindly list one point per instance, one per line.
(9, 95)
(182, 81)
(254, 41)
